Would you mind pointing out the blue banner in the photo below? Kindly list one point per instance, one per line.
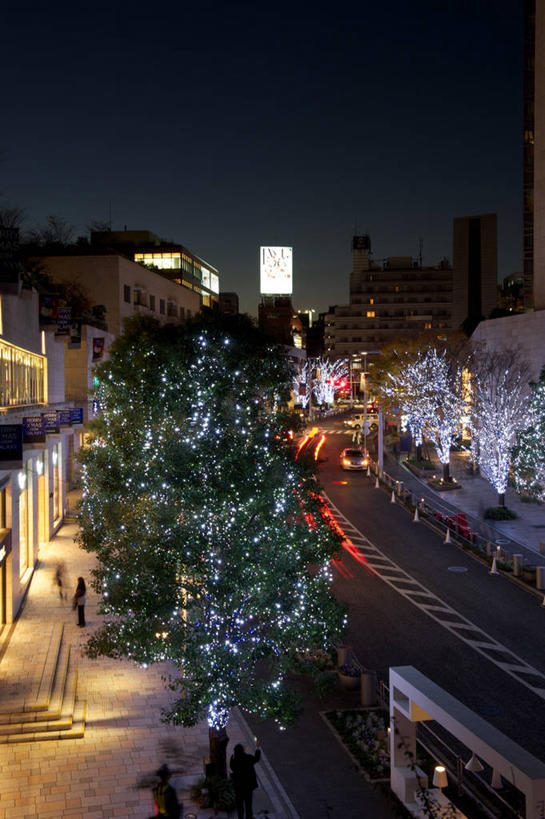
(51, 424)
(77, 415)
(11, 442)
(33, 429)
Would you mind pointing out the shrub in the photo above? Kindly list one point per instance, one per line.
(499, 513)
(214, 792)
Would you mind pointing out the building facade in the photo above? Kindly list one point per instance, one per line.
(396, 297)
(125, 287)
(475, 269)
(170, 259)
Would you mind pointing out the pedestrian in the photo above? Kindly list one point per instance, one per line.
(59, 578)
(79, 601)
(164, 795)
(244, 779)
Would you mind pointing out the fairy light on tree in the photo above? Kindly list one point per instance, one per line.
(408, 389)
(327, 373)
(500, 411)
(444, 404)
(301, 386)
(528, 461)
(203, 525)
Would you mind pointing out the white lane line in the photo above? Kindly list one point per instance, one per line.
(485, 645)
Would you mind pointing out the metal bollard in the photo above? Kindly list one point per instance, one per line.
(518, 565)
(540, 578)
(344, 655)
(489, 549)
(368, 687)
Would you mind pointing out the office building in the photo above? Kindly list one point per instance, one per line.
(475, 270)
(391, 298)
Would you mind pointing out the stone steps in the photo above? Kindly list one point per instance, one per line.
(52, 710)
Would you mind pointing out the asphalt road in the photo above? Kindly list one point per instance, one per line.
(387, 629)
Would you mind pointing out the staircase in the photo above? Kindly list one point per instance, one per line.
(52, 710)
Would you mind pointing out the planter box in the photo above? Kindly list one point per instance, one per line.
(350, 683)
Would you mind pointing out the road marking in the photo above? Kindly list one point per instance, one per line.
(417, 594)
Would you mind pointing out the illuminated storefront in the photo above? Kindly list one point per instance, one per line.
(22, 376)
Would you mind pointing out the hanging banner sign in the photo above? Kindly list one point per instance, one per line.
(64, 317)
(33, 429)
(75, 335)
(64, 417)
(77, 415)
(49, 308)
(11, 442)
(98, 348)
(51, 424)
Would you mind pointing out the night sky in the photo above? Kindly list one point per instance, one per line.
(229, 125)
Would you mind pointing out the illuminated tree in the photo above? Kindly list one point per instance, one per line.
(299, 380)
(407, 387)
(213, 545)
(528, 461)
(443, 401)
(327, 372)
(500, 411)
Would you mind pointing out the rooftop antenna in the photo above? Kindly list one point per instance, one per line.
(420, 249)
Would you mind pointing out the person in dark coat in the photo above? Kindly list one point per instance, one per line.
(80, 600)
(164, 796)
(244, 779)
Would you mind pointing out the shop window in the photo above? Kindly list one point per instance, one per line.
(57, 483)
(127, 293)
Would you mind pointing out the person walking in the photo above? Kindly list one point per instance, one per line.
(80, 600)
(244, 779)
(59, 579)
(165, 797)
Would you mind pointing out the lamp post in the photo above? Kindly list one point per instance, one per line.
(365, 423)
(440, 780)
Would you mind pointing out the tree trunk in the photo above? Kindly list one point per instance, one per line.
(446, 472)
(501, 499)
(218, 739)
(419, 452)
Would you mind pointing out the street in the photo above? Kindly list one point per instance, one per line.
(477, 635)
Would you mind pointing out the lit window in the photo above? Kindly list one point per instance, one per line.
(427, 325)
(371, 301)
(370, 314)
(397, 288)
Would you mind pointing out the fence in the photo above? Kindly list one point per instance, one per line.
(455, 526)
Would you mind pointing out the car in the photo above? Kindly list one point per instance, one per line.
(357, 421)
(353, 459)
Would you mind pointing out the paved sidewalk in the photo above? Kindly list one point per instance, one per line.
(474, 497)
(97, 777)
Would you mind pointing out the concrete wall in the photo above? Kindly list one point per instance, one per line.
(525, 332)
(20, 320)
(54, 349)
(79, 367)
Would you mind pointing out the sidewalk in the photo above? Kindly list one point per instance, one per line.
(476, 494)
(124, 741)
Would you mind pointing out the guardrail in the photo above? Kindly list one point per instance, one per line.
(455, 527)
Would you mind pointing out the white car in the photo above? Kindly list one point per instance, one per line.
(356, 421)
(353, 459)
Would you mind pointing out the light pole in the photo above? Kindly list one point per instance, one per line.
(365, 423)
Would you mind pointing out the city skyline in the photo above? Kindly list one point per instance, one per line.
(251, 131)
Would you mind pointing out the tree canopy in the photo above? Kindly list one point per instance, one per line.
(213, 544)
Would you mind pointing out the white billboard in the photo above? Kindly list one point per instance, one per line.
(276, 266)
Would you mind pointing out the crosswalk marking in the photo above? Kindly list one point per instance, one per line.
(458, 625)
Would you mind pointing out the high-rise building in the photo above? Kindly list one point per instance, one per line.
(475, 270)
(394, 297)
(528, 141)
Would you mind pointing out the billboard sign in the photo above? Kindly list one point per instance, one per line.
(276, 268)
